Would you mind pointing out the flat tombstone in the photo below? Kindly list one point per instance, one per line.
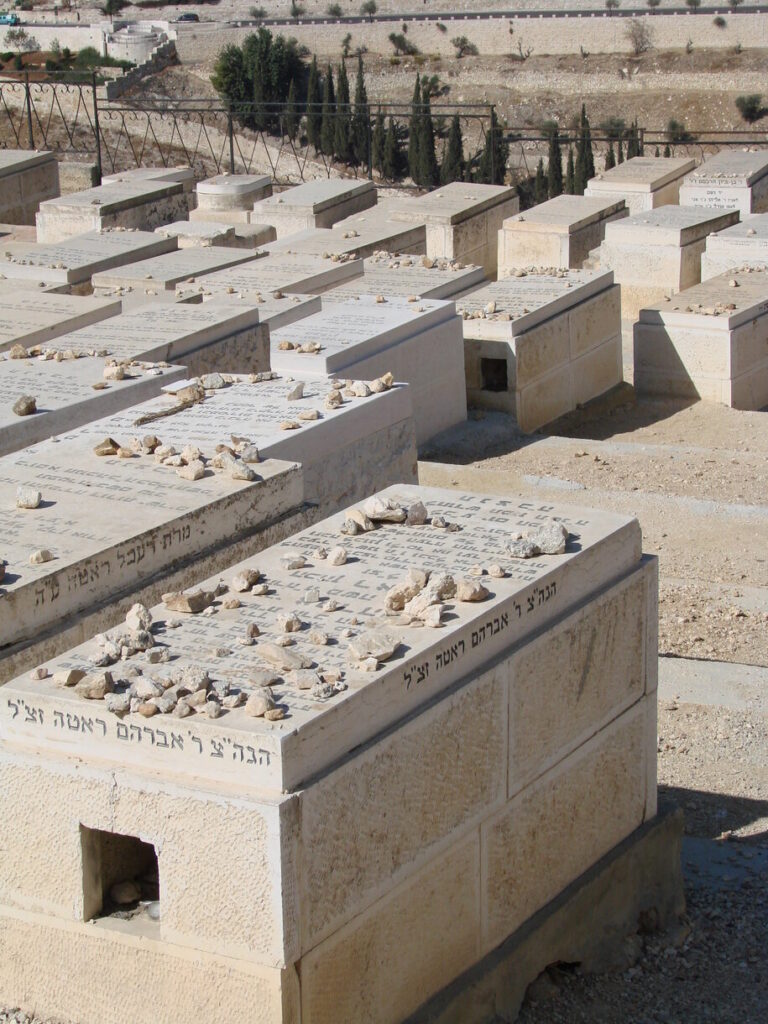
(730, 180)
(139, 204)
(559, 233)
(182, 175)
(741, 244)
(463, 221)
(197, 235)
(26, 180)
(28, 322)
(155, 280)
(284, 272)
(644, 182)
(418, 343)
(376, 229)
(74, 260)
(66, 396)
(397, 275)
(233, 191)
(315, 204)
(657, 253)
(708, 342)
(539, 345)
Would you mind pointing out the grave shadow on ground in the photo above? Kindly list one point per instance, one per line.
(710, 815)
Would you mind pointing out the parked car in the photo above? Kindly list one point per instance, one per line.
(188, 16)
(9, 19)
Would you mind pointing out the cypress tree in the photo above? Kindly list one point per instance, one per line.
(429, 171)
(570, 173)
(493, 160)
(360, 120)
(620, 157)
(453, 159)
(393, 154)
(291, 117)
(555, 165)
(342, 129)
(632, 143)
(610, 157)
(414, 132)
(230, 78)
(314, 107)
(377, 143)
(540, 185)
(589, 163)
(657, 153)
(329, 109)
(667, 150)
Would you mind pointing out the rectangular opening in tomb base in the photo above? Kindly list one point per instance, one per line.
(67, 394)
(716, 304)
(32, 321)
(642, 174)
(120, 872)
(668, 225)
(286, 272)
(393, 275)
(350, 670)
(76, 259)
(167, 270)
(520, 303)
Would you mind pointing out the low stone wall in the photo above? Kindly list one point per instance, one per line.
(160, 58)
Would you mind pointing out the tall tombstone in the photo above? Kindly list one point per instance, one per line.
(27, 179)
(72, 262)
(644, 182)
(391, 806)
(539, 345)
(191, 508)
(559, 233)
(729, 180)
(418, 342)
(708, 342)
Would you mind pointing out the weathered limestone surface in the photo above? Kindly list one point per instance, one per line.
(541, 344)
(419, 343)
(155, 280)
(463, 221)
(26, 180)
(228, 192)
(360, 234)
(129, 203)
(710, 342)
(315, 204)
(183, 175)
(400, 782)
(743, 244)
(192, 234)
(73, 261)
(644, 182)
(399, 275)
(65, 394)
(27, 321)
(729, 180)
(284, 272)
(558, 233)
(655, 254)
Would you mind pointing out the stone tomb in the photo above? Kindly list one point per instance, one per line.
(395, 275)
(419, 343)
(69, 393)
(730, 180)
(743, 244)
(463, 221)
(229, 198)
(27, 178)
(155, 280)
(31, 321)
(655, 254)
(181, 175)
(402, 818)
(364, 233)
(315, 204)
(710, 342)
(73, 261)
(540, 345)
(200, 234)
(219, 336)
(644, 182)
(345, 453)
(135, 203)
(558, 233)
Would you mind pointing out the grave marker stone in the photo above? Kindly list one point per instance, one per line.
(26, 321)
(743, 244)
(314, 204)
(644, 182)
(729, 180)
(26, 180)
(397, 275)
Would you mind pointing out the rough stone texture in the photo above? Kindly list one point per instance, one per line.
(26, 180)
(644, 182)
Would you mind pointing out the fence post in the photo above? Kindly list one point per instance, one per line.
(28, 100)
(96, 127)
(370, 142)
(231, 134)
(493, 147)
